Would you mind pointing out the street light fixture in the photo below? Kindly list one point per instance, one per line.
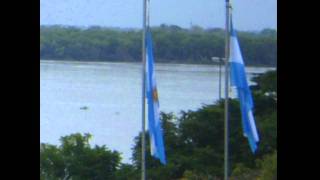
(218, 60)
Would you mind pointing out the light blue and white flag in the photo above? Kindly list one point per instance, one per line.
(239, 80)
(155, 126)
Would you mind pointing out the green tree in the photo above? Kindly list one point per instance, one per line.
(266, 84)
(127, 172)
(268, 167)
(75, 159)
(171, 44)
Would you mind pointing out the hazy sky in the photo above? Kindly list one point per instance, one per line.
(247, 14)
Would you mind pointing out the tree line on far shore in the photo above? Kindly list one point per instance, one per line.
(194, 145)
(171, 44)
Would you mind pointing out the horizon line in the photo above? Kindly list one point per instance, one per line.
(139, 28)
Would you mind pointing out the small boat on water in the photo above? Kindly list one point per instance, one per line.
(84, 108)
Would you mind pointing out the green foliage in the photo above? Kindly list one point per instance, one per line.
(51, 162)
(76, 160)
(190, 175)
(171, 44)
(127, 172)
(241, 172)
(269, 167)
(266, 83)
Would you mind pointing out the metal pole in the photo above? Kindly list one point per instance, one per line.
(226, 123)
(220, 78)
(148, 15)
(143, 138)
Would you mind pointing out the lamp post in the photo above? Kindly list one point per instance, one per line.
(218, 60)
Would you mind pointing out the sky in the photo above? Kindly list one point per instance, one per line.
(247, 14)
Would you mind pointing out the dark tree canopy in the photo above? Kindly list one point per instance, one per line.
(75, 159)
(171, 44)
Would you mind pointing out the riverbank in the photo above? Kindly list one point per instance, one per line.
(177, 62)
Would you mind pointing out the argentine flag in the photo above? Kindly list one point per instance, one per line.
(155, 127)
(239, 80)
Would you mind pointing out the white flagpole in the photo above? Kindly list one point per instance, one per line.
(148, 15)
(143, 138)
(226, 103)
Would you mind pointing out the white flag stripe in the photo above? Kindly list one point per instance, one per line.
(235, 54)
(152, 145)
(253, 126)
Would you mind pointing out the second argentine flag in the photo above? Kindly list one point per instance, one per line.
(239, 80)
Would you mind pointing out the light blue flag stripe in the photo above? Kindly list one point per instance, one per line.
(155, 126)
(239, 80)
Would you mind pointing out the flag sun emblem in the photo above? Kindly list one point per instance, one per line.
(155, 94)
